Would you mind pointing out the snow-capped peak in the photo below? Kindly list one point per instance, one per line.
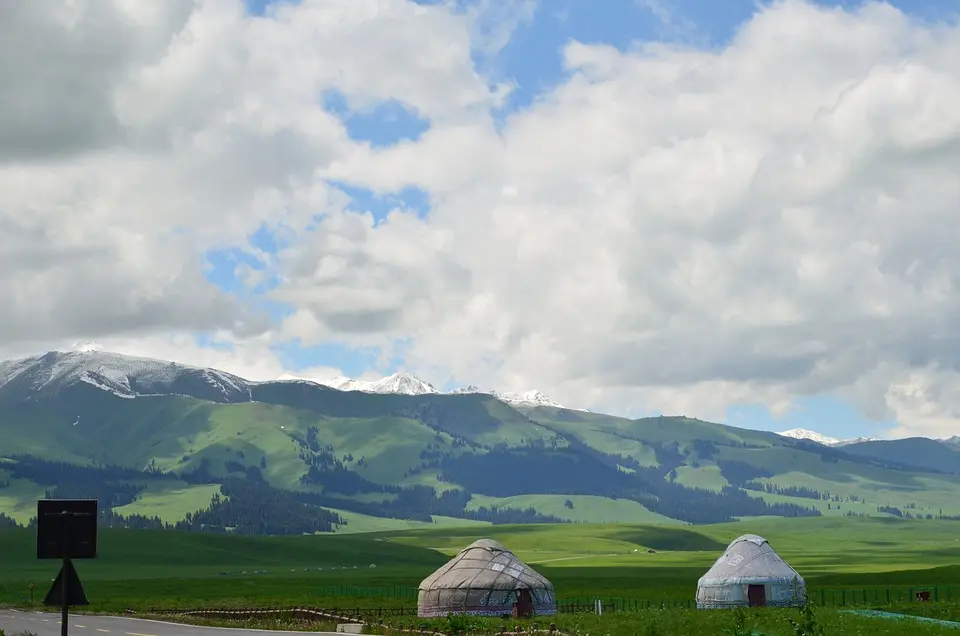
(122, 375)
(819, 438)
(402, 383)
(466, 390)
(86, 346)
(812, 436)
(531, 398)
(399, 383)
(130, 376)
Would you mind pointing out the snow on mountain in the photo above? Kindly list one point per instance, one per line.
(402, 383)
(347, 384)
(124, 376)
(399, 383)
(466, 390)
(128, 376)
(530, 398)
(340, 383)
(409, 384)
(813, 436)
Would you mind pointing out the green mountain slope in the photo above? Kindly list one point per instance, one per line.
(917, 453)
(212, 452)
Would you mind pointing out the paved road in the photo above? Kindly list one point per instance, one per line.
(48, 624)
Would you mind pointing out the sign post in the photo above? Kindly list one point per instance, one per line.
(66, 530)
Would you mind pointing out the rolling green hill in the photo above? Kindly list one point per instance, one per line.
(204, 450)
(917, 453)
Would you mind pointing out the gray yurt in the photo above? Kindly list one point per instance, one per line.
(750, 573)
(485, 579)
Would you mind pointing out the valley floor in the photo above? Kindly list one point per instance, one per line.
(639, 562)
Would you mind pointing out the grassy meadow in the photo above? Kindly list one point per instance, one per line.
(863, 559)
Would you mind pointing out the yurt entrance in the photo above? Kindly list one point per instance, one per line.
(523, 607)
(757, 595)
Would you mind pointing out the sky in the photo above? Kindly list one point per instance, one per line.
(740, 211)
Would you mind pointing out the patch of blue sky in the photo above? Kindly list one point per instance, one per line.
(381, 204)
(384, 124)
(352, 362)
(719, 21)
(224, 264)
(226, 269)
(533, 59)
(259, 7)
(824, 414)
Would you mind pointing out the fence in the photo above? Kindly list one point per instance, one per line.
(825, 596)
(828, 597)
(842, 597)
(310, 615)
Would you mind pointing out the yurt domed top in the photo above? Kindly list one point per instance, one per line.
(749, 559)
(487, 564)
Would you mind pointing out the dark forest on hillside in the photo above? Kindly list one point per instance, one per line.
(561, 465)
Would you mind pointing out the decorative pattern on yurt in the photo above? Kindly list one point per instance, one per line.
(750, 573)
(483, 580)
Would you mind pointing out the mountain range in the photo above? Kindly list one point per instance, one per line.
(162, 444)
(128, 376)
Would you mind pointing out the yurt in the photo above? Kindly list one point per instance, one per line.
(750, 573)
(485, 579)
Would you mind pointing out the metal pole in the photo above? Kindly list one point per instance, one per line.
(64, 580)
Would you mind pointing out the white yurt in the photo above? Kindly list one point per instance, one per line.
(484, 579)
(750, 574)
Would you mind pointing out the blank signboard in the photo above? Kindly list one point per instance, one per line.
(78, 540)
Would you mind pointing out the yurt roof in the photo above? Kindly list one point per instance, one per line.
(485, 564)
(749, 558)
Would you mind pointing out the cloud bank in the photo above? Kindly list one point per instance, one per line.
(671, 227)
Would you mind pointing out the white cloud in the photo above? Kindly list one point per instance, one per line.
(686, 229)
(133, 138)
(669, 228)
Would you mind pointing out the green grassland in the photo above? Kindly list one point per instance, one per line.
(708, 477)
(583, 560)
(19, 499)
(864, 558)
(168, 500)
